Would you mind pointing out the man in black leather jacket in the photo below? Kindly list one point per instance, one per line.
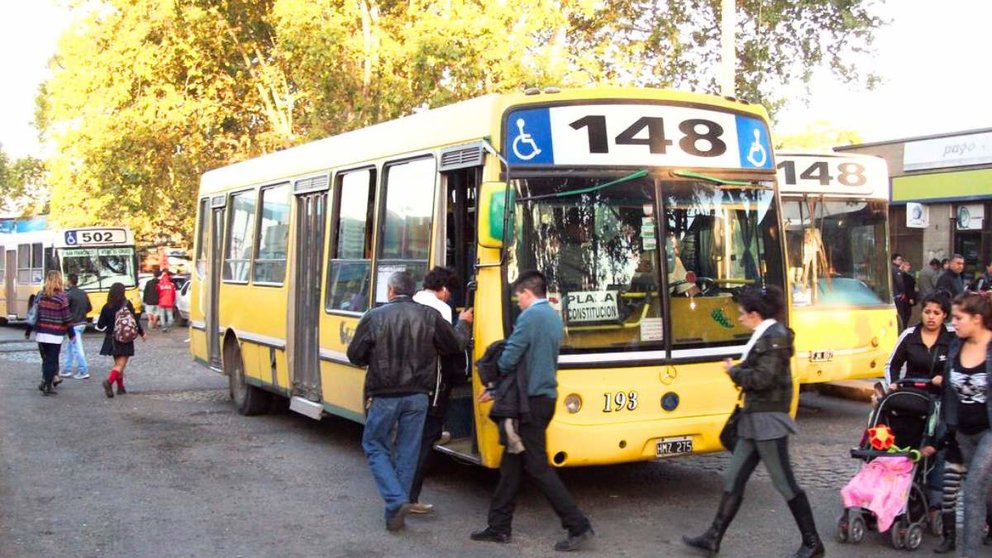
(400, 342)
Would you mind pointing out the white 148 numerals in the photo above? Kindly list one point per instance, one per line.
(616, 402)
(700, 137)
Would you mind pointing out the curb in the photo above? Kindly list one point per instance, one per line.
(855, 390)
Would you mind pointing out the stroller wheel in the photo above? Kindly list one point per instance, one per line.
(914, 536)
(843, 527)
(898, 533)
(856, 530)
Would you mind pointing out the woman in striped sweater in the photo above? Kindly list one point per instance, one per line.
(53, 324)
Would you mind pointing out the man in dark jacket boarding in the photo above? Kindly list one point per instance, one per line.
(534, 342)
(400, 342)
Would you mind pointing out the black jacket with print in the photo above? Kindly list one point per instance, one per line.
(920, 361)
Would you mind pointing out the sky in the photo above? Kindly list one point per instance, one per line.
(932, 59)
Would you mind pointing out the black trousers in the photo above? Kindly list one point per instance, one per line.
(905, 311)
(433, 427)
(533, 461)
(49, 360)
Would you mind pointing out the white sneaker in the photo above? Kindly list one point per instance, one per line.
(65, 373)
(83, 376)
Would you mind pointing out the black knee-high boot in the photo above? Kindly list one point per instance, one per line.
(949, 533)
(710, 540)
(812, 545)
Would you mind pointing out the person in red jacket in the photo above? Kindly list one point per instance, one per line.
(166, 300)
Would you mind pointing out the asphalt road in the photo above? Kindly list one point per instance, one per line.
(170, 470)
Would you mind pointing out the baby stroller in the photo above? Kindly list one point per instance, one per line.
(890, 492)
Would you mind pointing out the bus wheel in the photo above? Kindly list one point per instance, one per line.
(248, 399)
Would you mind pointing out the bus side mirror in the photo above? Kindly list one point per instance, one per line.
(494, 198)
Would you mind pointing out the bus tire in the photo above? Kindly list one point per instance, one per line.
(248, 399)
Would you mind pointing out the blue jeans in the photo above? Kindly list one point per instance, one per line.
(74, 351)
(164, 317)
(977, 486)
(391, 441)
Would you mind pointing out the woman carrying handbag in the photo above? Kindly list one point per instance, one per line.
(763, 424)
(50, 323)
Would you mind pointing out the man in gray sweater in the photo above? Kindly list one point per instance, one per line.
(534, 342)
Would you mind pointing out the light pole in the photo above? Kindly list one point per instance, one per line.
(728, 58)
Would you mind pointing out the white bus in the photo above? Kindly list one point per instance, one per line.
(99, 256)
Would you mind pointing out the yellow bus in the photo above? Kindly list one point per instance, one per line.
(646, 209)
(100, 256)
(835, 208)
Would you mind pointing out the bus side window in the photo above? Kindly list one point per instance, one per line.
(240, 237)
(350, 262)
(273, 236)
(407, 216)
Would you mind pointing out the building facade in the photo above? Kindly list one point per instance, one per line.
(941, 196)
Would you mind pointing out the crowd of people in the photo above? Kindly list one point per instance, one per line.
(958, 363)
(59, 315)
(939, 276)
(413, 350)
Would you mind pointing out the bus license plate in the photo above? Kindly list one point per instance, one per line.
(821, 356)
(670, 447)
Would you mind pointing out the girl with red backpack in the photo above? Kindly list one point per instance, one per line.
(121, 327)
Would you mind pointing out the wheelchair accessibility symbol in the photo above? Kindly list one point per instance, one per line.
(524, 146)
(757, 155)
(70, 238)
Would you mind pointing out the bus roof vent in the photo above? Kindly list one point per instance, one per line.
(462, 156)
(312, 184)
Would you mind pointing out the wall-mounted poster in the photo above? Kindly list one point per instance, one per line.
(917, 216)
(970, 217)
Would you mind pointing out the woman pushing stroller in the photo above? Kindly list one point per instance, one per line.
(765, 378)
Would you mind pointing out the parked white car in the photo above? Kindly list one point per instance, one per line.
(182, 303)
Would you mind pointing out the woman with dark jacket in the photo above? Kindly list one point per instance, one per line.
(121, 351)
(922, 349)
(765, 378)
(968, 416)
(921, 352)
(52, 325)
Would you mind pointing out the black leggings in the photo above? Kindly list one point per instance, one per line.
(775, 454)
(49, 360)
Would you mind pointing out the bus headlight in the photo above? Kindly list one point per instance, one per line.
(573, 403)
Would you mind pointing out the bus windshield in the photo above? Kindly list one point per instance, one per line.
(99, 268)
(608, 258)
(834, 244)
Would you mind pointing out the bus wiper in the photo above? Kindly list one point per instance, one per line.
(736, 184)
(596, 188)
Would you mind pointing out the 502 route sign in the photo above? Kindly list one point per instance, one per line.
(94, 237)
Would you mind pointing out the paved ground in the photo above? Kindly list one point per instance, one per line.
(170, 470)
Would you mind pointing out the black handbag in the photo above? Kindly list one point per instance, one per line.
(728, 436)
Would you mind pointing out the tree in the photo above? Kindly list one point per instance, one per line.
(23, 190)
(676, 43)
(820, 135)
(146, 95)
